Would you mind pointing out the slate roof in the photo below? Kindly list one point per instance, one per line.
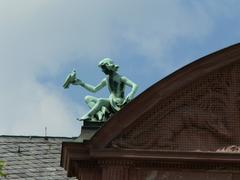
(32, 158)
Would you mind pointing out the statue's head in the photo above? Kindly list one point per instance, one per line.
(108, 66)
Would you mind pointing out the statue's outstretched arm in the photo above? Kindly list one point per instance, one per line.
(131, 84)
(90, 87)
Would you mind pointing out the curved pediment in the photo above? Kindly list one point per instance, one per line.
(195, 108)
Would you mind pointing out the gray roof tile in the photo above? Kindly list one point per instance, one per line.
(32, 158)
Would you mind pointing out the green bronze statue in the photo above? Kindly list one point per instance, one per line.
(102, 108)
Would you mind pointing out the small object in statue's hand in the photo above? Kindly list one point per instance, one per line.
(71, 78)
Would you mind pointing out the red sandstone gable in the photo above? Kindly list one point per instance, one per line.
(178, 123)
(195, 108)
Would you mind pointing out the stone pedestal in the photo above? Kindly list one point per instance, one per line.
(88, 130)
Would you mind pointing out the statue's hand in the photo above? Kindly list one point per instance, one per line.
(129, 98)
(78, 82)
(70, 79)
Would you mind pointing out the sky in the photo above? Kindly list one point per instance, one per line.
(41, 41)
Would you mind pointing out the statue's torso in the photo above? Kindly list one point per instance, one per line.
(116, 88)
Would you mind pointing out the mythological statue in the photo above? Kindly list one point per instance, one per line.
(102, 108)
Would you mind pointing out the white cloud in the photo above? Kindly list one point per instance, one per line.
(154, 27)
(27, 107)
(40, 37)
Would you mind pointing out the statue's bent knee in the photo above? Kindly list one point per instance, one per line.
(88, 99)
(101, 101)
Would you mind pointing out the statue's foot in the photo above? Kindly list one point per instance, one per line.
(102, 114)
(99, 115)
(85, 118)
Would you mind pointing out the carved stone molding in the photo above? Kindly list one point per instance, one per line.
(230, 149)
(115, 162)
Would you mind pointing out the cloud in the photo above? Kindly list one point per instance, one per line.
(28, 48)
(27, 107)
(40, 38)
(154, 28)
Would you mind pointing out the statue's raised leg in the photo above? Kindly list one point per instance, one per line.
(95, 105)
(90, 101)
